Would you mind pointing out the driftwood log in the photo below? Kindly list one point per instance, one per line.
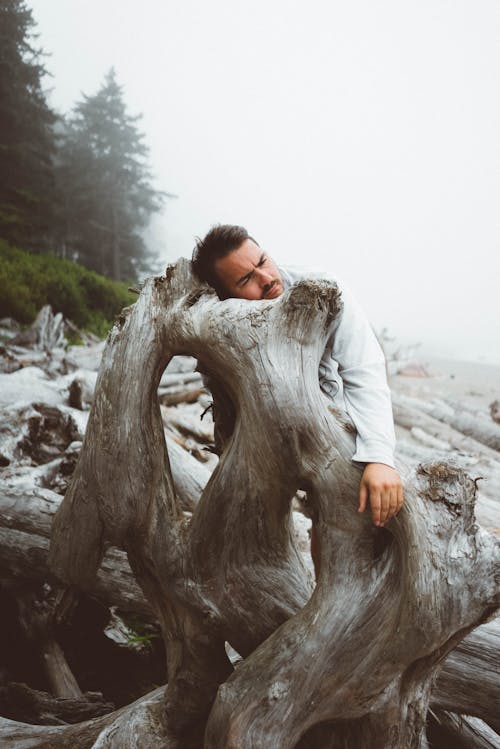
(473, 424)
(351, 664)
(468, 683)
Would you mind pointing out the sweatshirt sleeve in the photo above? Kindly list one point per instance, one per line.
(361, 366)
(354, 352)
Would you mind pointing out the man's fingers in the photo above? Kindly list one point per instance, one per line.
(380, 486)
(375, 501)
(363, 497)
(400, 498)
(393, 502)
(385, 505)
(396, 501)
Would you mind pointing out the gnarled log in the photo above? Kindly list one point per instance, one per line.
(468, 683)
(140, 724)
(363, 651)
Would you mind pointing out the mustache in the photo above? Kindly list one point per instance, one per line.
(269, 286)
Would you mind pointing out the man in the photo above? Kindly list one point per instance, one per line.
(233, 263)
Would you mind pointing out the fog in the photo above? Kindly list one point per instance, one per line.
(359, 137)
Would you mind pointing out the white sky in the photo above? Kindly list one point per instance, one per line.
(361, 136)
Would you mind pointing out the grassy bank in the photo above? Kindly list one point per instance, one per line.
(28, 282)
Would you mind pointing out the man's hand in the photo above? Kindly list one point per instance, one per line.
(380, 484)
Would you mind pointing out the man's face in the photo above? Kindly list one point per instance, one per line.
(249, 273)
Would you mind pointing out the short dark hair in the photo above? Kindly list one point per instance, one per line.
(220, 241)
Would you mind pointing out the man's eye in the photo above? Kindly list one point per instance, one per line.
(262, 261)
(245, 280)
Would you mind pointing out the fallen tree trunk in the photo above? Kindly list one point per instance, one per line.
(41, 708)
(189, 476)
(481, 429)
(360, 653)
(408, 412)
(468, 683)
(141, 724)
(25, 526)
(382, 616)
(175, 395)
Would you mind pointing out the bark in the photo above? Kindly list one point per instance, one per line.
(363, 650)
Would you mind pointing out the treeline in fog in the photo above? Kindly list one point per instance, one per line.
(76, 185)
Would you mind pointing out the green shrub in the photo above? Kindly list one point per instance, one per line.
(28, 282)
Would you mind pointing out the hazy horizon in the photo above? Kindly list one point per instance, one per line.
(361, 138)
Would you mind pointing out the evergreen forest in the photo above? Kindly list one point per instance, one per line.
(76, 186)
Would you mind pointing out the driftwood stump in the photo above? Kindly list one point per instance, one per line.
(348, 664)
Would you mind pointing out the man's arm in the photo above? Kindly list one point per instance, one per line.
(354, 349)
(361, 366)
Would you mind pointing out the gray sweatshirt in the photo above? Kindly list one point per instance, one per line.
(352, 373)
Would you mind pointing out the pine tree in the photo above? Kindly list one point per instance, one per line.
(104, 175)
(26, 135)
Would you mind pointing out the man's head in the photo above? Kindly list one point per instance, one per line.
(231, 261)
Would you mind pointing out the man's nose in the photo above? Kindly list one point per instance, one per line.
(264, 275)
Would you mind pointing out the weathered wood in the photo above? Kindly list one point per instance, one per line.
(46, 333)
(37, 614)
(464, 732)
(27, 705)
(188, 423)
(469, 681)
(484, 472)
(473, 425)
(81, 390)
(189, 476)
(26, 515)
(140, 725)
(388, 605)
(181, 394)
(172, 379)
(408, 413)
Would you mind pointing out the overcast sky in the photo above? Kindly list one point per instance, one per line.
(362, 137)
